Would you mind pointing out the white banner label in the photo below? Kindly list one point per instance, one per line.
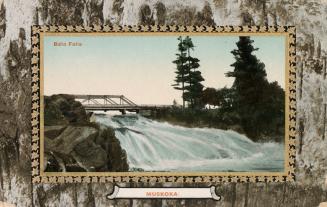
(164, 193)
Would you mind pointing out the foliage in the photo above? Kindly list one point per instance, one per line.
(188, 77)
(214, 118)
(210, 96)
(221, 98)
(252, 104)
(258, 102)
(181, 72)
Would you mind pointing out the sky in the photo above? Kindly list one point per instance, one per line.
(141, 68)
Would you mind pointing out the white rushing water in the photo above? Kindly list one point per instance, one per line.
(157, 146)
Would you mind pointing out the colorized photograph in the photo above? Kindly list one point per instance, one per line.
(164, 103)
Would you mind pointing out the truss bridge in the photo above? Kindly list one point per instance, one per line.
(114, 103)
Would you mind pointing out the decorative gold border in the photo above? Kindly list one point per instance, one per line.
(38, 176)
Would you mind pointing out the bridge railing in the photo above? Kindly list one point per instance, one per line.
(142, 106)
(104, 100)
(99, 102)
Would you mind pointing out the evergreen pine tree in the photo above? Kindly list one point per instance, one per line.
(194, 87)
(188, 77)
(249, 86)
(181, 72)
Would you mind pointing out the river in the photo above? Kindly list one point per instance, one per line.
(160, 146)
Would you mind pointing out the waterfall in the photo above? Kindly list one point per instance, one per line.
(160, 146)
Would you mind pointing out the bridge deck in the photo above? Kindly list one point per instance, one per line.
(113, 102)
(124, 107)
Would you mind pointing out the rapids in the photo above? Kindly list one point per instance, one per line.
(160, 146)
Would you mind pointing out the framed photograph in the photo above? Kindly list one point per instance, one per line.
(163, 104)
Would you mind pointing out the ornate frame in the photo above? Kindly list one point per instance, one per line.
(38, 176)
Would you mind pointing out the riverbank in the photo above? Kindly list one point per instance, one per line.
(213, 118)
(75, 144)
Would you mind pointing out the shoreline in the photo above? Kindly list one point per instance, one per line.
(202, 124)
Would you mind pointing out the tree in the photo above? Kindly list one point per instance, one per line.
(175, 104)
(194, 87)
(249, 85)
(273, 101)
(225, 98)
(188, 77)
(209, 96)
(181, 72)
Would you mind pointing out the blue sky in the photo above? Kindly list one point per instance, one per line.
(141, 68)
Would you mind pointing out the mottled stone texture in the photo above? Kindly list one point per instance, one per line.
(310, 18)
(15, 123)
(2, 21)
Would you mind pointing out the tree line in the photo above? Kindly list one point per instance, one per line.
(252, 102)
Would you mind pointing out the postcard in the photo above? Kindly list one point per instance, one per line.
(163, 104)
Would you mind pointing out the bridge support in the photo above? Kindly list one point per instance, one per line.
(123, 111)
